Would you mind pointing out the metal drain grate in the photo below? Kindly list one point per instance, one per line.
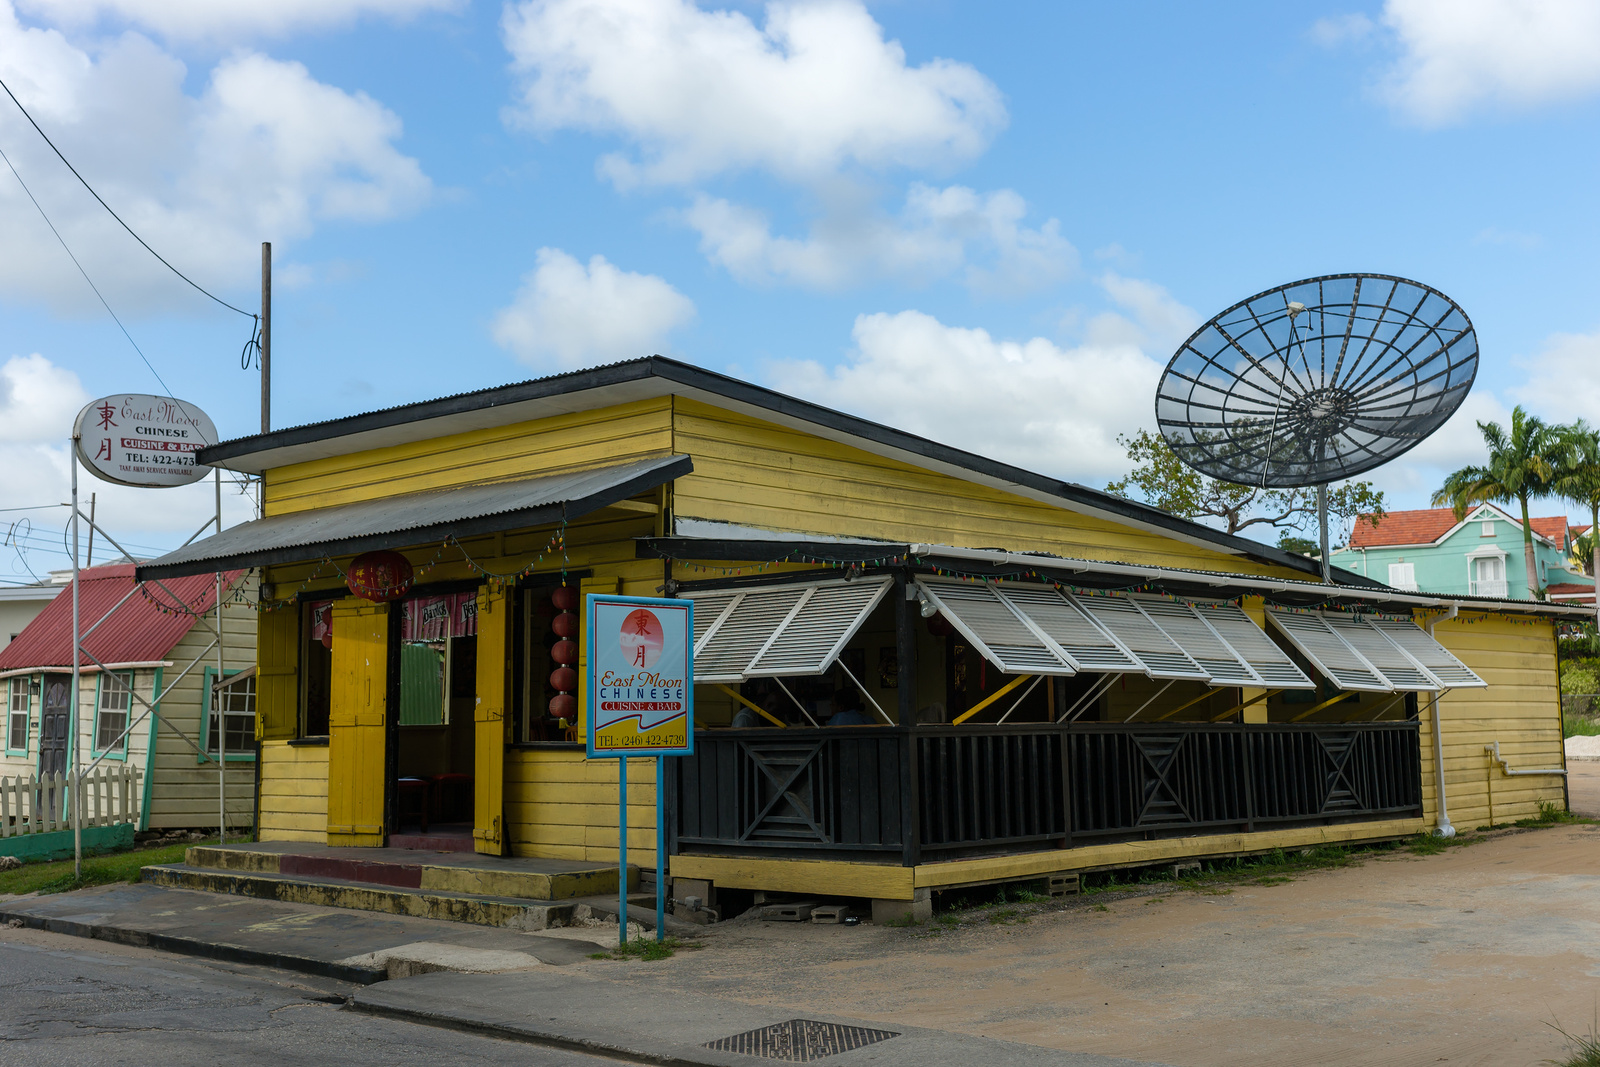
(800, 1040)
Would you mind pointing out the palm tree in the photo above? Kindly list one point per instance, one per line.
(1579, 479)
(1522, 465)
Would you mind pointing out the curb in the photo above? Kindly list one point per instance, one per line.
(189, 946)
(526, 1035)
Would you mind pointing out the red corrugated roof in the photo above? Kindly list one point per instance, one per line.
(1427, 525)
(143, 630)
(1570, 591)
(1554, 527)
(1402, 528)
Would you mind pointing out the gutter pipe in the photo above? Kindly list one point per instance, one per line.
(1442, 827)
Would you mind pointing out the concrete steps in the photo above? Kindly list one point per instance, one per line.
(519, 913)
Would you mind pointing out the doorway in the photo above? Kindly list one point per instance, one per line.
(55, 729)
(433, 737)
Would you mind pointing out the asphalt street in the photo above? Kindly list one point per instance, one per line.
(75, 1002)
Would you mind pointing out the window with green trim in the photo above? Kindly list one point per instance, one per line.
(20, 705)
(236, 701)
(111, 717)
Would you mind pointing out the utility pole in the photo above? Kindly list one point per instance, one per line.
(266, 336)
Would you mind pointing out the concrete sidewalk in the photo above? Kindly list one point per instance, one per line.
(568, 1010)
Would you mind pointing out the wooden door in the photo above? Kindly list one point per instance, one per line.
(357, 713)
(55, 730)
(489, 740)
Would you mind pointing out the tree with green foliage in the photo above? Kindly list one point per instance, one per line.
(1579, 478)
(1162, 480)
(1523, 464)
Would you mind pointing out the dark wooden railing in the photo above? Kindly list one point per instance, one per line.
(946, 791)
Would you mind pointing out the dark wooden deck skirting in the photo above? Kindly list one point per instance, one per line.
(942, 792)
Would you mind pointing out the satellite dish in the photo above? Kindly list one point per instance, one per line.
(1317, 381)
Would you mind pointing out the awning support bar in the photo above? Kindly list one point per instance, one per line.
(1088, 698)
(990, 699)
(753, 706)
(870, 698)
(1036, 680)
(797, 703)
(1152, 700)
(1318, 707)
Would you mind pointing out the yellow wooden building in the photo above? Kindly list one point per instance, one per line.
(917, 668)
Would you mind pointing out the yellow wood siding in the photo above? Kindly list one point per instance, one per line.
(294, 792)
(754, 473)
(561, 805)
(1521, 709)
(563, 442)
(494, 666)
(184, 791)
(356, 722)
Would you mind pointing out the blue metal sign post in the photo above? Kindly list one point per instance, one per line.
(641, 703)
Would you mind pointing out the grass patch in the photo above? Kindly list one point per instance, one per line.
(1583, 1050)
(645, 948)
(57, 877)
(1579, 726)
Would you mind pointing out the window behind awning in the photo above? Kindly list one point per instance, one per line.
(780, 630)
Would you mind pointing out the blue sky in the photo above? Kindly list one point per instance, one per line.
(991, 224)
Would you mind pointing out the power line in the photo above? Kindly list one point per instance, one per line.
(113, 214)
(83, 272)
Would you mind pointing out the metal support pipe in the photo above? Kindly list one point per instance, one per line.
(74, 742)
(216, 694)
(1152, 700)
(1493, 749)
(1089, 697)
(1442, 825)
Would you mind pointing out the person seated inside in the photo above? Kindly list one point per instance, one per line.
(766, 694)
(848, 701)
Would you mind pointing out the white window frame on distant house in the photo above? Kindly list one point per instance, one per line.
(18, 712)
(236, 705)
(1407, 575)
(106, 701)
(1486, 528)
(1486, 552)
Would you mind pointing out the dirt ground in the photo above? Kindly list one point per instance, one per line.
(1464, 957)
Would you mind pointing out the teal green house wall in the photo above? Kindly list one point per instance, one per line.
(1447, 565)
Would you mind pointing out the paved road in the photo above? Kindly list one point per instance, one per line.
(74, 1002)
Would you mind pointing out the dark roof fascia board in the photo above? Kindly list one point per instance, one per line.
(720, 385)
(421, 535)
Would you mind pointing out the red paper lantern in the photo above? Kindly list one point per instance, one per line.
(939, 626)
(564, 706)
(565, 598)
(565, 624)
(564, 679)
(564, 653)
(379, 576)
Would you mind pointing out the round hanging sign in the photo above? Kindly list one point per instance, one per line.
(141, 440)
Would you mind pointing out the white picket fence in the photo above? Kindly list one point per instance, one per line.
(34, 804)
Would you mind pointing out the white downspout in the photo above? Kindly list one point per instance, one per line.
(1443, 827)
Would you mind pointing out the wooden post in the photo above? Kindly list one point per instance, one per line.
(266, 336)
(905, 621)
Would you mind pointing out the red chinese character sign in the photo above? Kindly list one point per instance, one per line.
(141, 440)
(641, 676)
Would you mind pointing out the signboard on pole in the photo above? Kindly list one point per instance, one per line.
(641, 676)
(142, 440)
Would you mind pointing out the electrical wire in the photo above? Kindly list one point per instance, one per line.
(83, 272)
(113, 214)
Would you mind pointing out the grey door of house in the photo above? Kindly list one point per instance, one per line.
(55, 715)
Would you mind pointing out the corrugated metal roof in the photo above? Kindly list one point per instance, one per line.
(143, 630)
(412, 519)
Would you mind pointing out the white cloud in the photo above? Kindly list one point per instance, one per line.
(1458, 55)
(701, 93)
(1159, 321)
(38, 400)
(226, 19)
(1337, 29)
(264, 152)
(937, 232)
(1032, 403)
(566, 314)
(1563, 378)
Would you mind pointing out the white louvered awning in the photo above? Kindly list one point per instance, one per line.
(1403, 673)
(1450, 672)
(1276, 669)
(1006, 638)
(1083, 642)
(1205, 646)
(780, 630)
(1134, 630)
(1328, 652)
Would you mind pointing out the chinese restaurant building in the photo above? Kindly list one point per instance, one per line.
(916, 668)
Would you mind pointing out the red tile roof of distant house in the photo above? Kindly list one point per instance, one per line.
(1427, 525)
(142, 630)
(1570, 591)
(1579, 531)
